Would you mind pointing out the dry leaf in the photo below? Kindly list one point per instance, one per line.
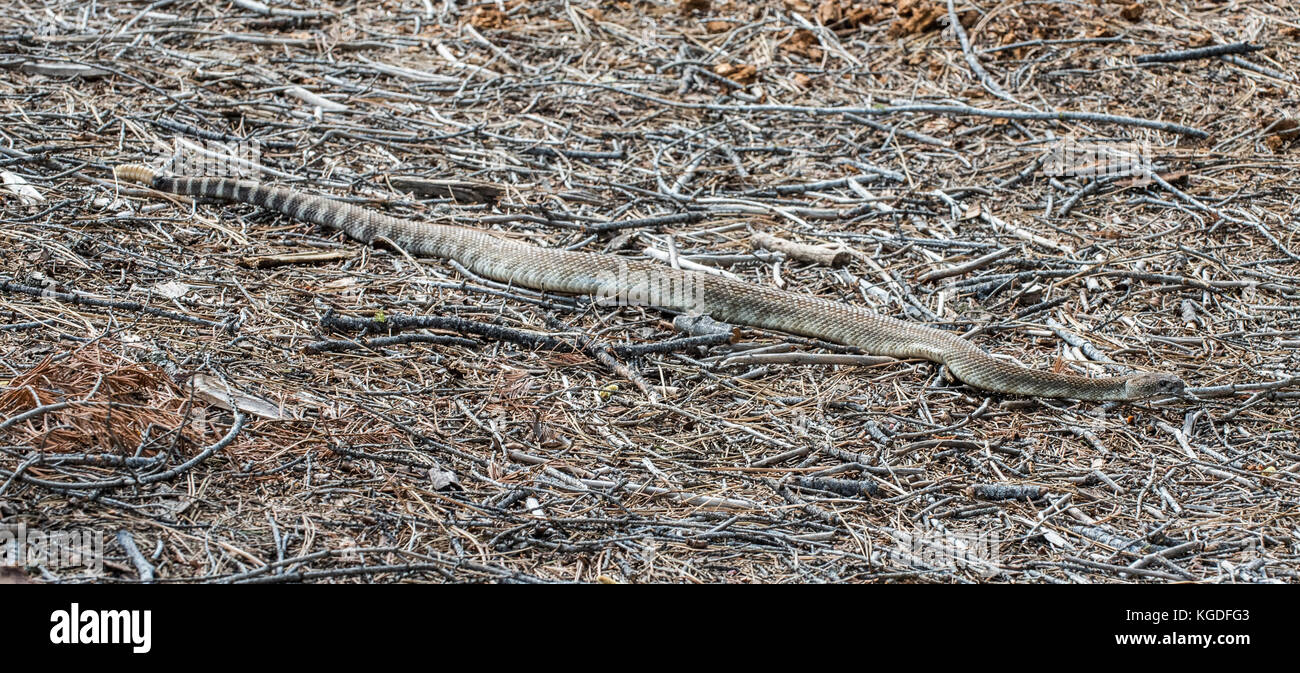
(741, 74)
(16, 184)
(442, 480)
(804, 43)
(844, 14)
(489, 18)
(830, 12)
(916, 16)
(171, 290)
(215, 391)
(343, 283)
(1280, 132)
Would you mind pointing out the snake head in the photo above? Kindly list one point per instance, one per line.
(1142, 386)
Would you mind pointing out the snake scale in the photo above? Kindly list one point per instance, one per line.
(604, 275)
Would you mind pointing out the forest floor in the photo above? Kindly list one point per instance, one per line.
(221, 394)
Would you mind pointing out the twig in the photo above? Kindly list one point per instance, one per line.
(1200, 52)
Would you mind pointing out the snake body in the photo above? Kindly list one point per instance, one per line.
(612, 277)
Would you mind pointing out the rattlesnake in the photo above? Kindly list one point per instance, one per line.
(610, 276)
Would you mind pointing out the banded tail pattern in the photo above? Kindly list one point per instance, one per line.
(359, 223)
